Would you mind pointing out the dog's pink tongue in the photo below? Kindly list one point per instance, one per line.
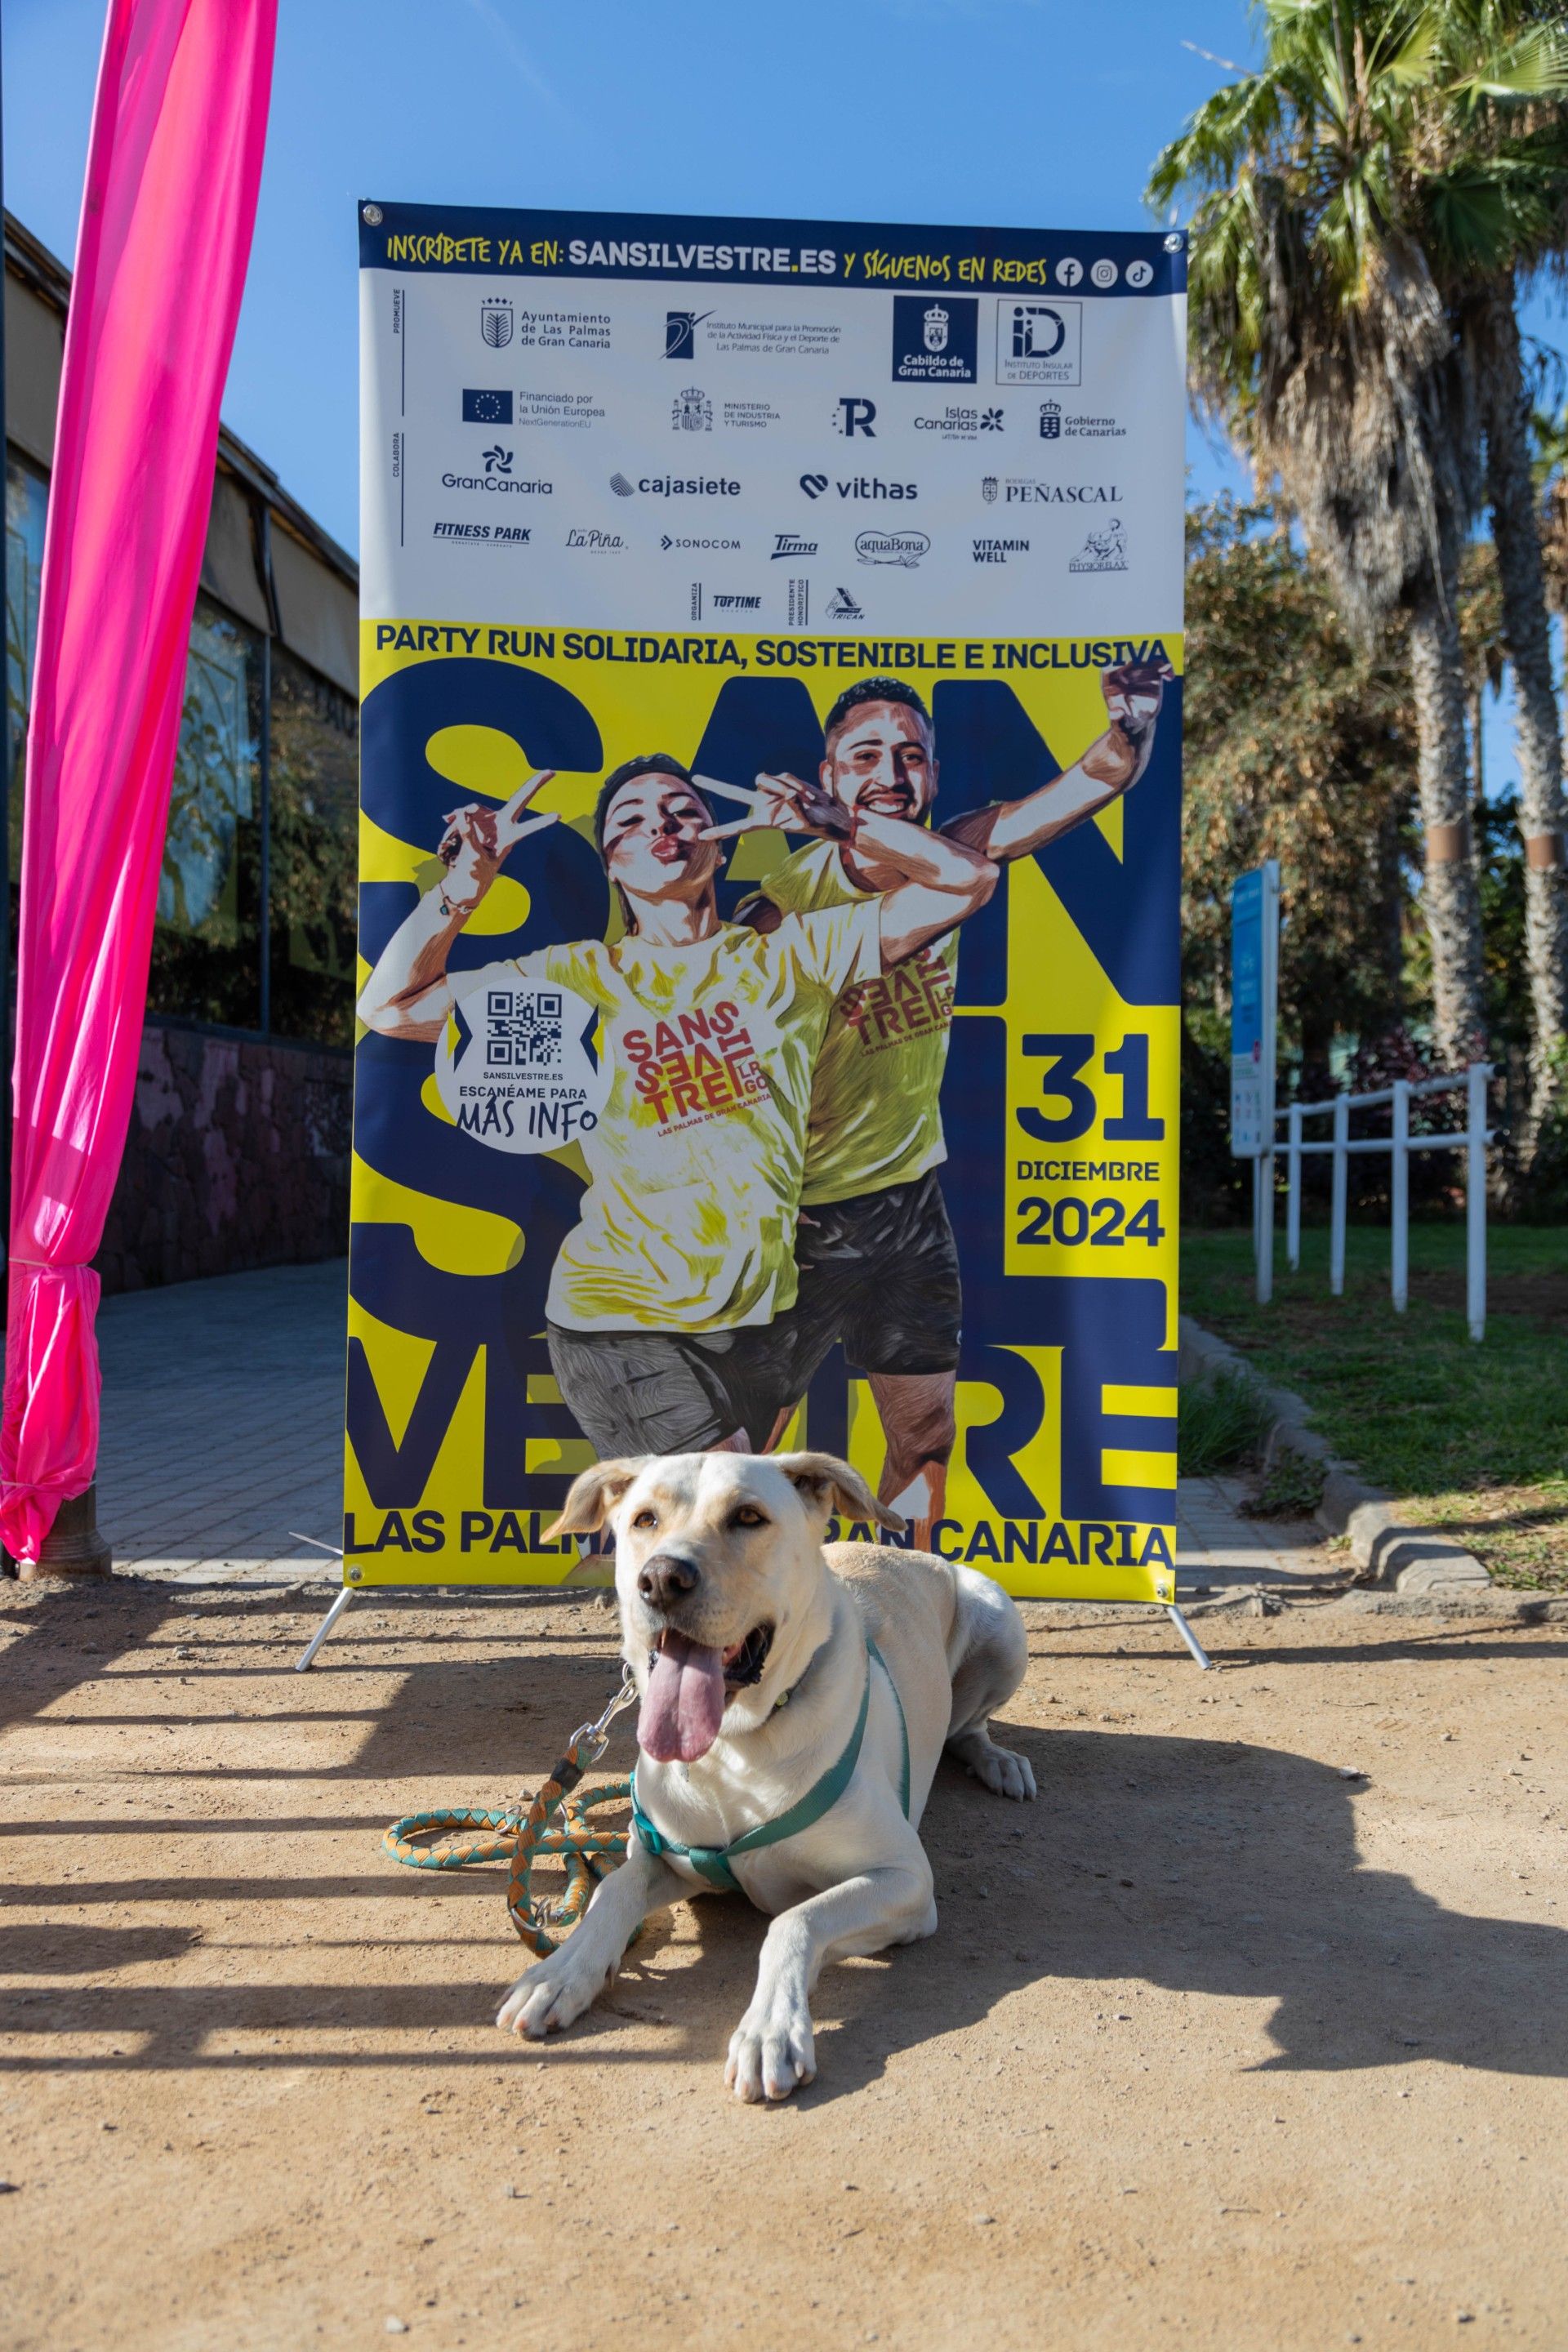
(684, 1701)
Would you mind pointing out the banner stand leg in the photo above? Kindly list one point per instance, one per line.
(1173, 1613)
(330, 1619)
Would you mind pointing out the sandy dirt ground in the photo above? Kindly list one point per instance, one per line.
(1213, 2046)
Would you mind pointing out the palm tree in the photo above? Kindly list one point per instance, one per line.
(1499, 208)
(1320, 335)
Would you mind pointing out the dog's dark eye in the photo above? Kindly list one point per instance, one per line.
(748, 1515)
(646, 1520)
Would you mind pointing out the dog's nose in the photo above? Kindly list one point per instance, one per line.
(663, 1579)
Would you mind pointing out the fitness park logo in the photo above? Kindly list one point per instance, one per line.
(672, 485)
(1039, 343)
(905, 547)
(936, 338)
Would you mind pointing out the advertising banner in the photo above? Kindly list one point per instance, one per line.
(770, 863)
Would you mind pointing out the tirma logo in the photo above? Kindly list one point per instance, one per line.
(790, 543)
(935, 338)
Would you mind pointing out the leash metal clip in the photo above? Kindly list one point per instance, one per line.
(597, 1734)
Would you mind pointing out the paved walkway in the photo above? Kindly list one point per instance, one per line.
(223, 1444)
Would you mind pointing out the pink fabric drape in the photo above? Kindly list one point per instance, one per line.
(178, 127)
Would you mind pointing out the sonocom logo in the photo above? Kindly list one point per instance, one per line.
(670, 486)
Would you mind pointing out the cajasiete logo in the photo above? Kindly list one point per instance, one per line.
(902, 547)
(497, 321)
(935, 338)
(672, 485)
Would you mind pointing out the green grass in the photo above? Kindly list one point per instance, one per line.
(1471, 1439)
(1220, 1421)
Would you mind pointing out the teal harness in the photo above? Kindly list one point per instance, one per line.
(712, 1862)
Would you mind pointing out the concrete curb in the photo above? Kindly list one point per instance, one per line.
(1401, 1558)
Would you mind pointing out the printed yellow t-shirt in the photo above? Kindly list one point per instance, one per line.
(876, 1106)
(688, 1223)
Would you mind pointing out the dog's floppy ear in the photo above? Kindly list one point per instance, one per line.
(594, 1496)
(833, 1485)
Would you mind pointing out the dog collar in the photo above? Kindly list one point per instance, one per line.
(712, 1862)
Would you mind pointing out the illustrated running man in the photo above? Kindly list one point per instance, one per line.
(878, 1268)
(668, 1308)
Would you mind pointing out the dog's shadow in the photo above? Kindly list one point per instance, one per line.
(1197, 1865)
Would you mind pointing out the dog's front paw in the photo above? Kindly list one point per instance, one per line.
(551, 1997)
(1006, 1773)
(772, 2051)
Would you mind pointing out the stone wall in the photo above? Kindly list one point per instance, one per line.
(238, 1156)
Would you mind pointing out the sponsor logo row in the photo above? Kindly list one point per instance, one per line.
(1104, 549)
(853, 416)
(499, 478)
(936, 338)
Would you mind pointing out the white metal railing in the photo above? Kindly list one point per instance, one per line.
(1471, 1139)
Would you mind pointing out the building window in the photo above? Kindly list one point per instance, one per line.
(313, 774)
(298, 777)
(27, 504)
(206, 946)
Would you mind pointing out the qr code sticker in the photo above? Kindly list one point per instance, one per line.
(524, 1028)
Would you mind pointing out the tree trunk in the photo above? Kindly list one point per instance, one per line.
(1527, 637)
(1451, 902)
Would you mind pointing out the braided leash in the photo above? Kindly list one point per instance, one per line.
(522, 1838)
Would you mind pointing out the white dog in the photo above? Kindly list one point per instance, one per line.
(793, 1715)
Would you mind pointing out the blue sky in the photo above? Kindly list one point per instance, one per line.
(1028, 112)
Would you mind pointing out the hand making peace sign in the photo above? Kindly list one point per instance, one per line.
(780, 801)
(479, 841)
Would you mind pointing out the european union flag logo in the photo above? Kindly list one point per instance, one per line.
(487, 408)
